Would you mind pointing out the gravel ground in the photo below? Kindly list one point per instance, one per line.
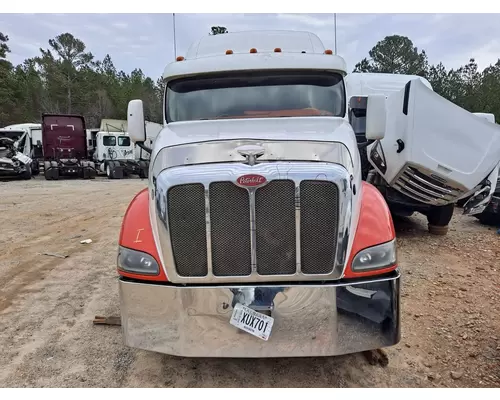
(450, 304)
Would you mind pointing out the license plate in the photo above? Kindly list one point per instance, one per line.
(251, 321)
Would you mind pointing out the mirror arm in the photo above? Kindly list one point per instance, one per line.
(144, 147)
(365, 144)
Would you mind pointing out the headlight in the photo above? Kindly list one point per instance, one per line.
(376, 257)
(137, 262)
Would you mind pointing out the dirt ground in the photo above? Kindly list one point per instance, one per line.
(450, 304)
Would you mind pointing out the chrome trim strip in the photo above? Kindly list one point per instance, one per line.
(253, 232)
(407, 182)
(227, 152)
(295, 171)
(411, 181)
(298, 255)
(208, 230)
(435, 187)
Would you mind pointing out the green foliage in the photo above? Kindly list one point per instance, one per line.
(394, 54)
(66, 78)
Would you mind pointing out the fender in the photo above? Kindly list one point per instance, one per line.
(136, 234)
(375, 226)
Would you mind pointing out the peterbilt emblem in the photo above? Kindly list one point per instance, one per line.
(251, 180)
(251, 152)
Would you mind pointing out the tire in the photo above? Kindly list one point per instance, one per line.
(35, 168)
(26, 175)
(439, 218)
(108, 170)
(52, 174)
(488, 218)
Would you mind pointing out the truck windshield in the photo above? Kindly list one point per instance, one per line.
(109, 140)
(123, 141)
(256, 95)
(14, 135)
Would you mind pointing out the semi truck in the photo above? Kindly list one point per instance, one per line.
(13, 163)
(256, 236)
(434, 153)
(64, 146)
(28, 138)
(115, 154)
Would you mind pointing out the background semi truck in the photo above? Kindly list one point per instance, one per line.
(434, 153)
(115, 154)
(64, 144)
(28, 138)
(13, 163)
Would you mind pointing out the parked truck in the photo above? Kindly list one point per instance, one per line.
(433, 154)
(13, 163)
(256, 235)
(28, 138)
(114, 153)
(65, 147)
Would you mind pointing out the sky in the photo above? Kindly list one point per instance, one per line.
(146, 40)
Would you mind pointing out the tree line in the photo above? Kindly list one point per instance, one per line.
(67, 78)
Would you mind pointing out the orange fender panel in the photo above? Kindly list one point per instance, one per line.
(136, 234)
(375, 226)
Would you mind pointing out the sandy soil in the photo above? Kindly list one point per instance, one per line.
(450, 323)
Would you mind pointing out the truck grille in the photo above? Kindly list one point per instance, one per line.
(186, 213)
(280, 229)
(425, 188)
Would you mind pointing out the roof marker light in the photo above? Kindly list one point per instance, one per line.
(328, 51)
(277, 50)
(179, 58)
(253, 50)
(229, 52)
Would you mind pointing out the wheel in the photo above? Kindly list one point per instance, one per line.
(35, 168)
(489, 218)
(108, 171)
(26, 175)
(52, 174)
(439, 218)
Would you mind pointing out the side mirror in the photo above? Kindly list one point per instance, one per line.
(375, 117)
(135, 121)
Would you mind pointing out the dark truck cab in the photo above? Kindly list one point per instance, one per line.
(65, 147)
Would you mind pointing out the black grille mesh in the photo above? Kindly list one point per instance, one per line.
(318, 226)
(230, 227)
(275, 228)
(186, 214)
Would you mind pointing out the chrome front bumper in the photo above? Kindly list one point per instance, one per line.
(309, 319)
